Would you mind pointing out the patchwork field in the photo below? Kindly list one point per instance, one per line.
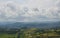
(31, 33)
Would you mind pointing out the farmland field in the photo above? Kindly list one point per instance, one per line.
(31, 33)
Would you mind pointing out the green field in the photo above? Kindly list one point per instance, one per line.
(31, 33)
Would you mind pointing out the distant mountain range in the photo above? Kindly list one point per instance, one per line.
(29, 24)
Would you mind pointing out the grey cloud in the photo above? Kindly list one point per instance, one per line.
(17, 12)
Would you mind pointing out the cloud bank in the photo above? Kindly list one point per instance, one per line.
(30, 10)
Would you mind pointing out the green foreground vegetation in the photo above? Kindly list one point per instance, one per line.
(30, 33)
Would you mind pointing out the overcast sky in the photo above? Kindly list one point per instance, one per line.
(29, 10)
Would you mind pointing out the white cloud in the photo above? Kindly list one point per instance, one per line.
(32, 10)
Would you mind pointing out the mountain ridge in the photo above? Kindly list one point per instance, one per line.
(30, 25)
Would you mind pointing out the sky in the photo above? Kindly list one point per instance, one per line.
(29, 10)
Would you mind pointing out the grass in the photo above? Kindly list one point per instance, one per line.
(4, 35)
(32, 33)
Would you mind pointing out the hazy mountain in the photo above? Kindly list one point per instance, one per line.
(29, 24)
